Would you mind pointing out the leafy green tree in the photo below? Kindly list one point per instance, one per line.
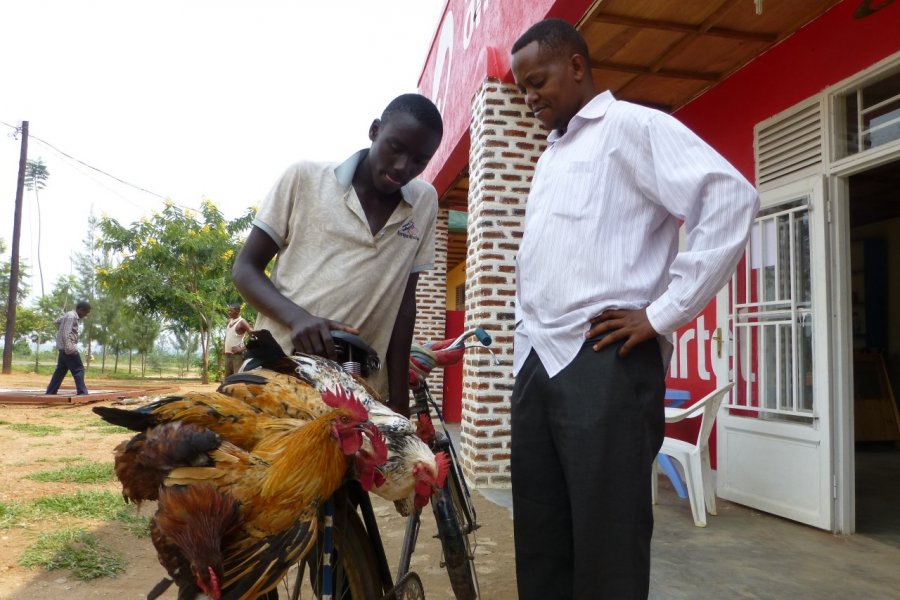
(145, 331)
(36, 175)
(47, 309)
(177, 266)
(187, 343)
(28, 322)
(23, 288)
(87, 262)
(106, 316)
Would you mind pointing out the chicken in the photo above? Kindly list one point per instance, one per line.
(141, 463)
(276, 394)
(278, 493)
(412, 471)
(242, 424)
(192, 554)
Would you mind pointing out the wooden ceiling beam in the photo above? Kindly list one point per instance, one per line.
(747, 36)
(670, 73)
(715, 16)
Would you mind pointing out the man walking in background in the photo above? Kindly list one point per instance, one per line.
(234, 339)
(68, 358)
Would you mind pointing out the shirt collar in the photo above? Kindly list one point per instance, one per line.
(344, 173)
(593, 110)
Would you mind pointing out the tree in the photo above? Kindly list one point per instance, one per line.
(177, 266)
(47, 309)
(87, 263)
(186, 343)
(23, 288)
(144, 334)
(36, 175)
(28, 321)
(106, 316)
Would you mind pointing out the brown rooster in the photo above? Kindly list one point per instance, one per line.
(412, 471)
(240, 423)
(142, 463)
(278, 495)
(190, 530)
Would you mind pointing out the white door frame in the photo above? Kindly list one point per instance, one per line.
(842, 327)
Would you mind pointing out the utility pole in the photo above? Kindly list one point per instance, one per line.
(9, 334)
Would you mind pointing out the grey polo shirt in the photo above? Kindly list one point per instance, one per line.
(329, 262)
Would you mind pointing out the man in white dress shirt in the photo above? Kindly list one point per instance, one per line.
(601, 286)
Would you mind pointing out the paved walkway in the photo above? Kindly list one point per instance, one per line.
(745, 554)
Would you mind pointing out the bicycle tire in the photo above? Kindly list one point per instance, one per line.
(408, 588)
(449, 512)
(355, 571)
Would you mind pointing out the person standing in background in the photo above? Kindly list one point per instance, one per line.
(234, 339)
(68, 358)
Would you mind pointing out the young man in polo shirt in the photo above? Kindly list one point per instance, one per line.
(351, 240)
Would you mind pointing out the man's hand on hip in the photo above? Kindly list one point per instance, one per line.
(617, 325)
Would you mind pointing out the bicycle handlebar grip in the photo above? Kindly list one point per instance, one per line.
(483, 337)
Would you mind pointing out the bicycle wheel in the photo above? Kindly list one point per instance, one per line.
(354, 571)
(449, 511)
(408, 588)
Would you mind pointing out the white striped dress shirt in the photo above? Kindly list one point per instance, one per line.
(601, 227)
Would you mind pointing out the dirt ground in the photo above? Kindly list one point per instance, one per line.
(22, 454)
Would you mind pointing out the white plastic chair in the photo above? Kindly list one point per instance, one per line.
(694, 458)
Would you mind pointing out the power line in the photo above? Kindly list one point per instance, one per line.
(78, 160)
(101, 171)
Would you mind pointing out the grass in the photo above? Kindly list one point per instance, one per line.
(61, 459)
(91, 472)
(102, 426)
(103, 506)
(135, 524)
(99, 505)
(73, 549)
(57, 415)
(11, 513)
(34, 430)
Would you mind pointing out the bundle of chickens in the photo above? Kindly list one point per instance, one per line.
(241, 474)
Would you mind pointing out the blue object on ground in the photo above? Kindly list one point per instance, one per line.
(675, 399)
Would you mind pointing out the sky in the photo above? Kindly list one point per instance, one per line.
(188, 99)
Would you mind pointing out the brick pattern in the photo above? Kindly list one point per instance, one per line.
(506, 143)
(431, 301)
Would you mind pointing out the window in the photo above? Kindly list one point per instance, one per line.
(871, 115)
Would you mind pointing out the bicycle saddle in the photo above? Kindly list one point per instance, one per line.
(352, 350)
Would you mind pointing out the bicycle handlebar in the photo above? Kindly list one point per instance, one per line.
(424, 358)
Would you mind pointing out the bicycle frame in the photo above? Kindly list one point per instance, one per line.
(440, 441)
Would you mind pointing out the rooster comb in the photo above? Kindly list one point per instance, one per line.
(340, 397)
(443, 466)
(379, 444)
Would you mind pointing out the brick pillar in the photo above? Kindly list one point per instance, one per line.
(506, 143)
(431, 301)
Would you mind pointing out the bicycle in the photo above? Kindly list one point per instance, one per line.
(349, 560)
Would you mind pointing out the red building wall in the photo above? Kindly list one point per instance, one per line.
(472, 42)
(826, 51)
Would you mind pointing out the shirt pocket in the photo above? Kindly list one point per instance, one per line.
(577, 192)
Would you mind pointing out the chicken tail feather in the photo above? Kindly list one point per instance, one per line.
(258, 568)
(159, 589)
(129, 419)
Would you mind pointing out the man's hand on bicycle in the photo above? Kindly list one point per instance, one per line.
(312, 335)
